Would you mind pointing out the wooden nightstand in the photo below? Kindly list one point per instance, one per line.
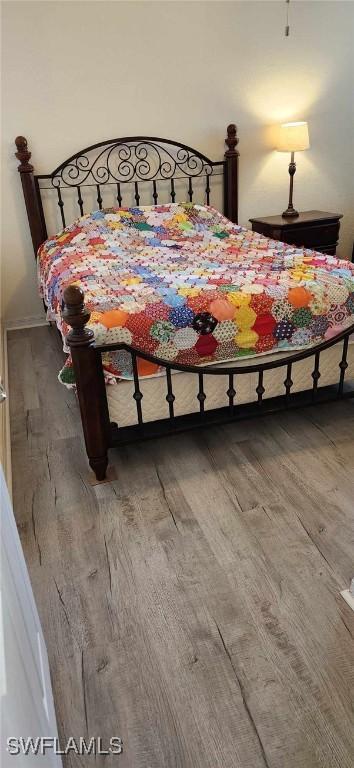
(317, 230)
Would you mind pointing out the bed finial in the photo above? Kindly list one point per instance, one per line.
(231, 138)
(23, 155)
(76, 316)
(231, 174)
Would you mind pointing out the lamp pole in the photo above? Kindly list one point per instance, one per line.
(290, 211)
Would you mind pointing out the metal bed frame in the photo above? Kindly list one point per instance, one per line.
(129, 163)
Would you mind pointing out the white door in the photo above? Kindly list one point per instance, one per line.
(27, 709)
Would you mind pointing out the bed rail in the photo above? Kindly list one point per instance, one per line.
(100, 434)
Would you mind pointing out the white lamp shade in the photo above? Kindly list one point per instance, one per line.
(293, 137)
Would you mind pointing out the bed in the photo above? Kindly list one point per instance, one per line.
(189, 319)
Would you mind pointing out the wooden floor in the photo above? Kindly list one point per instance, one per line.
(192, 606)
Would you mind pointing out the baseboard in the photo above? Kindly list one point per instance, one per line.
(32, 321)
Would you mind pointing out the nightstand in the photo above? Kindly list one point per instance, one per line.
(317, 230)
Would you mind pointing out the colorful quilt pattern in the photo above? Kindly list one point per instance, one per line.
(183, 283)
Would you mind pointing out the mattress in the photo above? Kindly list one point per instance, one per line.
(182, 283)
(122, 406)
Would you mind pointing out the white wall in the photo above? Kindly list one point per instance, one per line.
(76, 72)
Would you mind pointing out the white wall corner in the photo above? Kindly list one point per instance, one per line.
(5, 437)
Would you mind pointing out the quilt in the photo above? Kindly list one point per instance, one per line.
(183, 283)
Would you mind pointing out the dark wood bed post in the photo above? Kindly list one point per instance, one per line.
(89, 379)
(31, 194)
(231, 174)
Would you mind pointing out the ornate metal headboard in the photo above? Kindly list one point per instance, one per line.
(134, 165)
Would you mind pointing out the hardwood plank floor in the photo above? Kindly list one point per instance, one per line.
(192, 605)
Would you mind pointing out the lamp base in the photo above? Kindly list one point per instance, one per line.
(290, 213)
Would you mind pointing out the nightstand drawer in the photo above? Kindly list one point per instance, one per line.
(311, 237)
(330, 250)
(317, 230)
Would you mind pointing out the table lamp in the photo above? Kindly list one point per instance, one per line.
(293, 137)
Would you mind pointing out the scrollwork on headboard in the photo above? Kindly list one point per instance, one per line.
(132, 160)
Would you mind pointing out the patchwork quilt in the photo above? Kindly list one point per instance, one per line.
(181, 282)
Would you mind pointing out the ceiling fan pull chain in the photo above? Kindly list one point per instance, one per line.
(287, 27)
